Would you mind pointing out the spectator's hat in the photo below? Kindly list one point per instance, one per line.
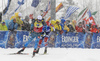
(3, 22)
(20, 14)
(26, 17)
(57, 21)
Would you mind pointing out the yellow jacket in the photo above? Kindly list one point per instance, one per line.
(58, 27)
(18, 21)
(3, 27)
(73, 23)
(66, 28)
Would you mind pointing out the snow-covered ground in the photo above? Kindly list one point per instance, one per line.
(54, 54)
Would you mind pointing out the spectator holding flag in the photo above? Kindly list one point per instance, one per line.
(71, 28)
(26, 25)
(98, 29)
(93, 29)
(18, 20)
(12, 25)
(63, 25)
(79, 28)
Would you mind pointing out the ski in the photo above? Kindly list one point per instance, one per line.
(19, 54)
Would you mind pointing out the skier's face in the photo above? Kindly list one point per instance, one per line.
(39, 21)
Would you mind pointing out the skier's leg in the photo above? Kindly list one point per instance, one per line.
(26, 44)
(45, 41)
(35, 46)
(29, 41)
(36, 43)
(39, 43)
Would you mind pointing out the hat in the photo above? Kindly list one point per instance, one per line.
(39, 17)
(19, 14)
(63, 20)
(58, 20)
(3, 22)
(53, 22)
(26, 18)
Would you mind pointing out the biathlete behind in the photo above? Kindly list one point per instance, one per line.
(46, 31)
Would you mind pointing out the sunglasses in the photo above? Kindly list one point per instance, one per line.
(39, 20)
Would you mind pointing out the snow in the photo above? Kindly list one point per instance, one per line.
(54, 54)
(4, 4)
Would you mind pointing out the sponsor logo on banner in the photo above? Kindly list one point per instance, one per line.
(95, 40)
(70, 39)
(73, 40)
(98, 39)
(25, 38)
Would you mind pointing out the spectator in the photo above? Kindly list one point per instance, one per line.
(63, 26)
(98, 29)
(12, 25)
(18, 20)
(79, 28)
(66, 29)
(53, 23)
(88, 27)
(26, 25)
(71, 28)
(0, 16)
(58, 27)
(93, 28)
(73, 23)
(3, 26)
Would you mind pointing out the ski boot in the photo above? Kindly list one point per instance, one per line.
(34, 52)
(45, 50)
(21, 50)
(37, 51)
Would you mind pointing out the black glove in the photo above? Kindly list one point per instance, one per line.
(84, 31)
(97, 32)
(11, 29)
(76, 34)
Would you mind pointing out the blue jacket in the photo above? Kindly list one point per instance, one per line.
(12, 26)
(62, 24)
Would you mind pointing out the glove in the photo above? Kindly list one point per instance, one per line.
(84, 31)
(76, 33)
(97, 32)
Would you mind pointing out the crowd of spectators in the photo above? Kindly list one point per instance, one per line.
(16, 23)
